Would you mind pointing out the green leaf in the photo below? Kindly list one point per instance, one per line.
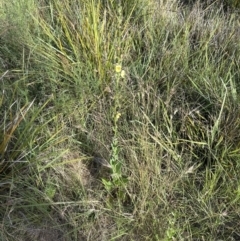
(107, 184)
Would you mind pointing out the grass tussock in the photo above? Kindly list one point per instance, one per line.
(119, 120)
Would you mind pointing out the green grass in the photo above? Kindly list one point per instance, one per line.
(119, 120)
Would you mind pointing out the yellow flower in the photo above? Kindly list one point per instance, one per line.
(117, 116)
(118, 68)
(123, 74)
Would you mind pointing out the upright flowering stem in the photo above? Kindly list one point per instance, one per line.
(115, 162)
(118, 69)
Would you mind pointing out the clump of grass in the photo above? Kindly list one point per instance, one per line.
(150, 88)
(232, 4)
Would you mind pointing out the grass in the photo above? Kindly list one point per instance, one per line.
(119, 120)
